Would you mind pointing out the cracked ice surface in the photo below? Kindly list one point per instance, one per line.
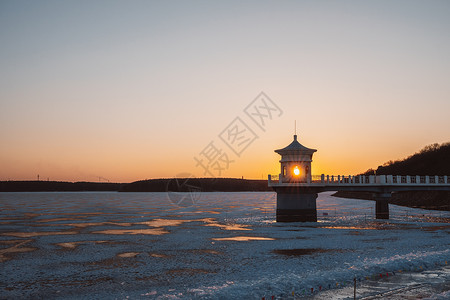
(227, 245)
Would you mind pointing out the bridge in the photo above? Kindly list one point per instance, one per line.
(297, 189)
(381, 186)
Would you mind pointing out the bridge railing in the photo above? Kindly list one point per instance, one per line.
(370, 179)
(275, 178)
(316, 178)
(383, 179)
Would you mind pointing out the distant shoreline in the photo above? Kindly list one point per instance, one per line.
(436, 200)
(57, 186)
(152, 185)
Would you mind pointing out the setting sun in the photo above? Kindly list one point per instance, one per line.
(296, 171)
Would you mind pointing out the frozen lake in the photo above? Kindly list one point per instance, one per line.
(225, 246)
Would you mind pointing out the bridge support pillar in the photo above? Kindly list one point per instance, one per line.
(382, 205)
(294, 205)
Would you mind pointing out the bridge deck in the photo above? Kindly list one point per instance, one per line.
(386, 183)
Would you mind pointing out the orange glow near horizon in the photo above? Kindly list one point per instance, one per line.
(296, 171)
(127, 165)
(138, 91)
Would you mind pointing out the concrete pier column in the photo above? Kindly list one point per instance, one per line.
(294, 205)
(382, 205)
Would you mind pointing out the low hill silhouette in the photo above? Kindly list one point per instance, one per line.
(431, 160)
(152, 185)
(57, 186)
(197, 184)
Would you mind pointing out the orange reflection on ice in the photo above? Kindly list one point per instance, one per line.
(229, 226)
(17, 248)
(73, 245)
(153, 231)
(163, 222)
(159, 255)
(58, 219)
(213, 222)
(84, 225)
(33, 234)
(349, 227)
(128, 254)
(210, 212)
(208, 221)
(244, 238)
(439, 227)
(70, 245)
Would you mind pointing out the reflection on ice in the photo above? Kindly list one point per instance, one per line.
(159, 255)
(17, 247)
(59, 219)
(35, 234)
(155, 231)
(244, 238)
(164, 222)
(128, 254)
(91, 224)
(73, 245)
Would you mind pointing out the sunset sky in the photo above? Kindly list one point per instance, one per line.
(129, 90)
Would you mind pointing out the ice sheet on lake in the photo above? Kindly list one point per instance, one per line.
(227, 245)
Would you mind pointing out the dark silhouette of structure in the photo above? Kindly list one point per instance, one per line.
(297, 190)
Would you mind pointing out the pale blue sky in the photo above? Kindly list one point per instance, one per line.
(113, 88)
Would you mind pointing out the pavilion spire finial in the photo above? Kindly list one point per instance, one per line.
(295, 130)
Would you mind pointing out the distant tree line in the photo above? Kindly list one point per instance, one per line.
(152, 185)
(431, 160)
(57, 186)
(197, 184)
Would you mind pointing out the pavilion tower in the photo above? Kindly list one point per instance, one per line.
(296, 199)
(296, 162)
